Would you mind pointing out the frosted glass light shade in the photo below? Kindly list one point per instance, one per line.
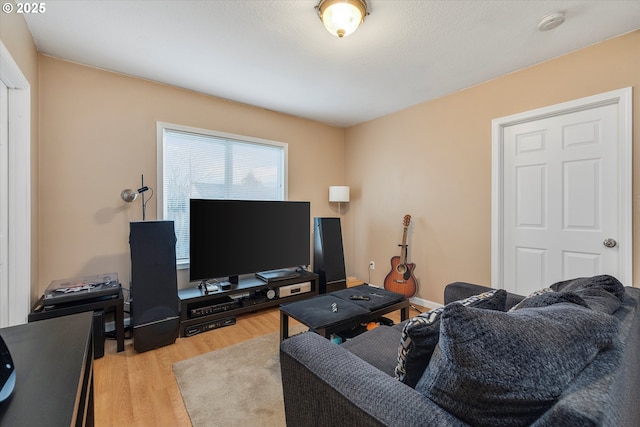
(342, 17)
(339, 193)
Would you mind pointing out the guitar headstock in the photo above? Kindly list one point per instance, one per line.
(407, 220)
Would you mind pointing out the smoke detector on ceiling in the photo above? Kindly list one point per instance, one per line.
(551, 21)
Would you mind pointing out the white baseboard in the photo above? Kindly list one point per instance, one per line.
(425, 303)
(415, 300)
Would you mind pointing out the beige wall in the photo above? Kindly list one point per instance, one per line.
(16, 37)
(433, 161)
(98, 135)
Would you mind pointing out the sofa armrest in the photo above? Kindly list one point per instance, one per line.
(460, 290)
(326, 385)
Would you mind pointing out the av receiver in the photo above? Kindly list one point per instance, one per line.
(207, 326)
(214, 308)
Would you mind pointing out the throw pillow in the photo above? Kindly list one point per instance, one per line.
(420, 335)
(496, 368)
(604, 282)
(602, 293)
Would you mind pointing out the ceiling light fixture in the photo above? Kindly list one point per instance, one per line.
(551, 21)
(342, 17)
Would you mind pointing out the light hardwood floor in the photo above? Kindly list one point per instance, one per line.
(139, 389)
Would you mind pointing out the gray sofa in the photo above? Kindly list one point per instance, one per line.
(353, 384)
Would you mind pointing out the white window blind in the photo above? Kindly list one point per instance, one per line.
(201, 164)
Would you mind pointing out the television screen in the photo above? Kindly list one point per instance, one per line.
(234, 237)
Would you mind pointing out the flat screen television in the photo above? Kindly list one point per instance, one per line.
(229, 238)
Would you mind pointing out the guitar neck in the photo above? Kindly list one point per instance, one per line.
(403, 247)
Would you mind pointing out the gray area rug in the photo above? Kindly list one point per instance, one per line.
(238, 385)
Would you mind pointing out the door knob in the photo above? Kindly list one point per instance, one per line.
(609, 242)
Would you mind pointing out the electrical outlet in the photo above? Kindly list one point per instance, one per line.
(372, 265)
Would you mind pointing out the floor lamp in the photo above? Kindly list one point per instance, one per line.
(129, 196)
(339, 194)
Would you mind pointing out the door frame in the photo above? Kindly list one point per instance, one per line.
(623, 99)
(15, 304)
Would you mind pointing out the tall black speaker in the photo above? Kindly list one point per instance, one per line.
(328, 254)
(154, 284)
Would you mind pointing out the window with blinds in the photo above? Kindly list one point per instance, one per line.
(201, 164)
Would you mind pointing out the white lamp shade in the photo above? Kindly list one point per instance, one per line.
(339, 193)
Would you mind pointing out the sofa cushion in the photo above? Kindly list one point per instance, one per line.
(420, 335)
(377, 347)
(496, 368)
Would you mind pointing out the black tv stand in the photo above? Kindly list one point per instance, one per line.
(202, 308)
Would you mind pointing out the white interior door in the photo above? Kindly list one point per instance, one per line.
(564, 196)
(4, 205)
(16, 204)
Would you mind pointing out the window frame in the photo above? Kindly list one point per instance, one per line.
(159, 190)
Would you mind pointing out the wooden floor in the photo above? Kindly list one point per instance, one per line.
(139, 389)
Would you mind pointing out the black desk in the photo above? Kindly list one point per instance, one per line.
(108, 303)
(54, 373)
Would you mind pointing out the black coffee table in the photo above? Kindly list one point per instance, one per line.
(334, 312)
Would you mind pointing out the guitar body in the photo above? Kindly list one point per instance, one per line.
(401, 279)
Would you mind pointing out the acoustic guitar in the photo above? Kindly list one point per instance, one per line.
(401, 279)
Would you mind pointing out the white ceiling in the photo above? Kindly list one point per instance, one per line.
(276, 54)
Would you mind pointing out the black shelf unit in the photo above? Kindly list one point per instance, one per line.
(248, 295)
(106, 304)
(54, 372)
